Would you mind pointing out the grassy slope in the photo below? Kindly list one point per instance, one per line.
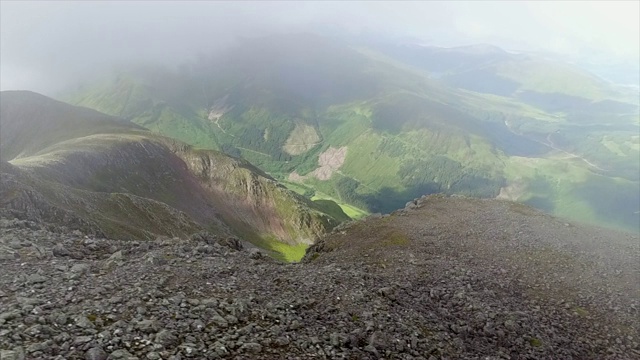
(351, 211)
(576, 192)
(550, 77)
(133, 98)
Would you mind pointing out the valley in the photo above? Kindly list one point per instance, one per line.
(405, 131)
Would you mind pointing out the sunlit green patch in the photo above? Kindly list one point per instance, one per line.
(581, 311)
(284, 252)
(351, 211)
(395, 239)
(535, 342)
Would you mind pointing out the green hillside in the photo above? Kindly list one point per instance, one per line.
(374, 131)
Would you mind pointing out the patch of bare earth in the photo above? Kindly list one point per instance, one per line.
(218, 109)
(302, 139)
(512, 191)
(329, 161)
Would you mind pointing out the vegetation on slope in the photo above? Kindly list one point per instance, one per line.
(405, 134)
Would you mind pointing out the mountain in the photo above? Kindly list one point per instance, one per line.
(529, 77)
(372, 128)
(106, 176)
(447, 277)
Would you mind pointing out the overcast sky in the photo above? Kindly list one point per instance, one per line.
(46, 44)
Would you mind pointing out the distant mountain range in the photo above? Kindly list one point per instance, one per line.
(374, 126)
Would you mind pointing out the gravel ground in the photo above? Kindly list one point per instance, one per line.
(445, 278)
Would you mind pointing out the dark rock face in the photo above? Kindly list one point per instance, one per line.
(211, 239)
(406, 286)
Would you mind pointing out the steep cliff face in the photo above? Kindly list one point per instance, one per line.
(260, 201)
(130, 183)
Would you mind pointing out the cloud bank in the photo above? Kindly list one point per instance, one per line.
(47, 45)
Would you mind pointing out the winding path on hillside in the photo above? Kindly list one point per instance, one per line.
(551, 145)
(572, 155)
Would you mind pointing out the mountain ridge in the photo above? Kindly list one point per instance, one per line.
(132, 175)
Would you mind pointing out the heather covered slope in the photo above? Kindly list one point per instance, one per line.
(445, 278)
(123, 181)
(369, 128)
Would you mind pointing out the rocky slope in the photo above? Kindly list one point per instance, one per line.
(445, 278)
(104, 176)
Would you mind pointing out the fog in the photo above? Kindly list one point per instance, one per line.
(45, 46)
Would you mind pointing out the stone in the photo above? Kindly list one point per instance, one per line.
(337, 339)
(122, 354)
(411, 205)
(154, 259)
(251, 348)
(28, 301)
(379, 340)
(36, 347)
(95, 353)
(84, 322)
(386, 292)
(147, 326)
(219, 321)
(232, 243)
(295, 325)
(60, 251)
(79, 340)
(153, 356)
(10, 315)
(15, 354)
(371, 349)
(231, 320)
(58, 318)
(36, 279)
(165, 338)
(281, 341)
(116, 259)
(80, 268)
(255, 253)
(210, 303)
(189, 349)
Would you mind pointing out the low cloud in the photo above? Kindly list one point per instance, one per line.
(45, 46)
